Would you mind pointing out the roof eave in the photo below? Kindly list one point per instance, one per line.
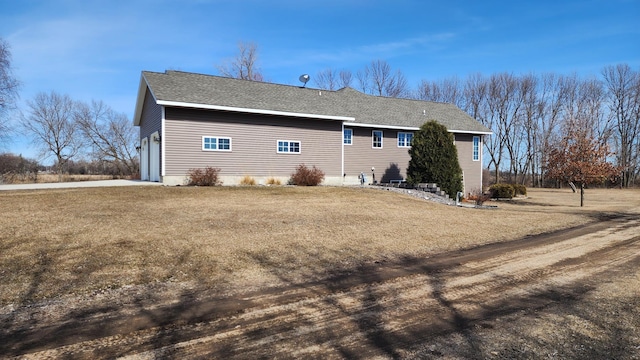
(378, 126)
(476, 132)
(253, 111)
(395, 127)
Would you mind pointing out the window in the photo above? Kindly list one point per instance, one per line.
(210, 143)
(288, 147)
(404, 139)
(476, 148)
(376, 139)
(348, 134)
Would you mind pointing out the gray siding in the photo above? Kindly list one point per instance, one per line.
(253, 143)
(151, 117)
(390, 162)
(472, 169)
(150, 122)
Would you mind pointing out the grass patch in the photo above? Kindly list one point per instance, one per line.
(75, 241)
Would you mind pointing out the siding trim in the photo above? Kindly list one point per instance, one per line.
(254, 111)
(162, 144)
(342, 151)
(481, 151)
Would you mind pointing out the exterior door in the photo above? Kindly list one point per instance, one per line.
(144, 160)
(154, 157)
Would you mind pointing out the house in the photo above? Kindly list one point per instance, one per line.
(265, 130)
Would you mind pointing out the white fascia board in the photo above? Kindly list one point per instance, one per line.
(471, 132)
(352, 124)
(253, 111)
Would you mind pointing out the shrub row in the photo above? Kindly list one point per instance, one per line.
(507, 191)
(303, 176)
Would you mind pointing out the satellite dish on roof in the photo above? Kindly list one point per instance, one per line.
(304, 78)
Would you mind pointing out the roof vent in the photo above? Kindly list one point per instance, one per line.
(424, 112)
(303, 79)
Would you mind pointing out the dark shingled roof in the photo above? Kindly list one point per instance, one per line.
(199, 90)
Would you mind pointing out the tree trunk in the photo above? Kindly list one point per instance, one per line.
(581, 194)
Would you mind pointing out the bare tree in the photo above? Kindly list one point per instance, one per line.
(8, 89)
(50, 123)
(551, 95)
(346, 78)
(531, 112)
(502, 114)
(326, 79)
(449, 90)
(623, 85)
(377, 78)
(112, 136)
(244, 65)
(331, 79)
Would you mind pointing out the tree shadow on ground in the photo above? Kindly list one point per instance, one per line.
(350, 291)
(391, 173)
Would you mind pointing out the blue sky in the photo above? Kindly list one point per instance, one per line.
(97, 49)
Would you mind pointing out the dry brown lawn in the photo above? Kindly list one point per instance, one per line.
(55, 243)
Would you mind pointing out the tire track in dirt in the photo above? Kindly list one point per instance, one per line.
(377, 311)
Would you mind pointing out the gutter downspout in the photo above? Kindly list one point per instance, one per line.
(342, 160)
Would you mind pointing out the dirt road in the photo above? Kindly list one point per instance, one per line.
(465, 304)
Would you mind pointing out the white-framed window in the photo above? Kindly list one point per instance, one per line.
(476, 148)
(376, 139)
(288, 147)
(404, 139)
(348, 136)
(216, 143)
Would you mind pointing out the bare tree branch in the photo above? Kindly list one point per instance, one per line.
(112, 136)
(244, 65)
(377, 78)
(331, 79)
(50, 122)
(623, 85)
(8, 89)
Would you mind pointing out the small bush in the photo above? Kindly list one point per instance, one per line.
(502, 191)
(248, 181)
(303, 176)
(204, 177)
(519, 189)
(273, 181)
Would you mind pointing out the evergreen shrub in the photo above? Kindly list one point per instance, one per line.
(434, 159)
(502, 191)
